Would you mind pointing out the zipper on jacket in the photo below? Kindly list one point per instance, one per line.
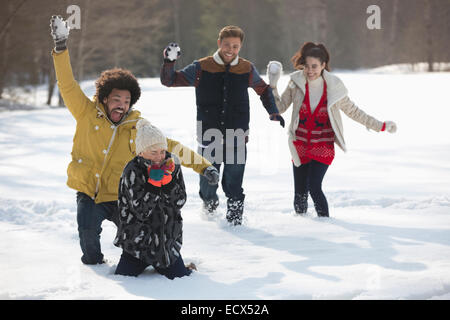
(104, 158)
(109, 146)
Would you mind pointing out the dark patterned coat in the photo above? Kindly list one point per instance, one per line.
(150, 222)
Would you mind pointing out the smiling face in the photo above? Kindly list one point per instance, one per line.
(313, 68)
(117, 104)
(156, 155)
(229, 48)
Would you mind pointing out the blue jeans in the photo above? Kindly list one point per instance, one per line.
(90, 216)
(132, 266)
(232, 176)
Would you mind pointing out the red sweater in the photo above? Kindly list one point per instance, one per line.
(314, 135)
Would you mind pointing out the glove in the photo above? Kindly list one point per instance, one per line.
(212, 175)
(277, 117)
(59, 32)
(274, 70)
(161, 175)
(391, 127)
(172, 52)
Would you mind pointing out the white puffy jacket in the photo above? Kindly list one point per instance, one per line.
(337, 100)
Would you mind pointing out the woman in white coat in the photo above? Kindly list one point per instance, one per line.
(316, 125)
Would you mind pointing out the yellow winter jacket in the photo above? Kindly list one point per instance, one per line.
(101, 149)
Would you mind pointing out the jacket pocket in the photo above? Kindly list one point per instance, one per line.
(112, 182)
(241, 116)
(80, 171)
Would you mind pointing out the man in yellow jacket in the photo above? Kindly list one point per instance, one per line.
(104, 142)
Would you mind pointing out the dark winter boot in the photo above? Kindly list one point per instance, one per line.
(321, 211)
(301, 203)
(235, 210)
(211, 205)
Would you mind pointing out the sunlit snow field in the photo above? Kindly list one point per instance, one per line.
(389, 196)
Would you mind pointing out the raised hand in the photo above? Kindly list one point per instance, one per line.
(172, 52)
(391, 127)
(274, 70)
(59, 32)
(212, 175)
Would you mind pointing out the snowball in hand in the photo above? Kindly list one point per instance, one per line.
(172, 52)
(274, 68)
(60, 28)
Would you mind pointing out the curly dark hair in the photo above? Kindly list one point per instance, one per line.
(120, 79)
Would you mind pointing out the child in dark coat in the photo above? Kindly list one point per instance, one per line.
(151, 195)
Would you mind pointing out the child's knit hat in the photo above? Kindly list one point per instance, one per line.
(149, 136)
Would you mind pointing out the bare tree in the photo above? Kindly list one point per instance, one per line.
(51, 86)
(393, 33)
(83, 51)
(10, 16)
(132, 34)
(315, 14)
(176, 23)
(321, 22)
(429, 34)
(5, 41)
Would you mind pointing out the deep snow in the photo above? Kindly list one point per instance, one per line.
(388, 236)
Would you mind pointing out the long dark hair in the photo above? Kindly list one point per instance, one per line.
(311, 49)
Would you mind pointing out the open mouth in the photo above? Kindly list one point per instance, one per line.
(116, 115)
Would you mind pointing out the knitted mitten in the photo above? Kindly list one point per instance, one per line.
(60, 32)
(171, 52)
(274, 70)
(391, 127)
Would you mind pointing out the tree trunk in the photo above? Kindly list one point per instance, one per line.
(176, 25)
(51, 85)
(60, 100)
(393, 34)
(251, 44)
(81, 54)
(316, 18)
(5, 43)
(4, 61)
(288, 31)
(322, 22)
(429, 34)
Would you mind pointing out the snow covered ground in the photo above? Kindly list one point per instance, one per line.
(388, 236)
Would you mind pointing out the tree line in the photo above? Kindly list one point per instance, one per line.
(132, 34)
